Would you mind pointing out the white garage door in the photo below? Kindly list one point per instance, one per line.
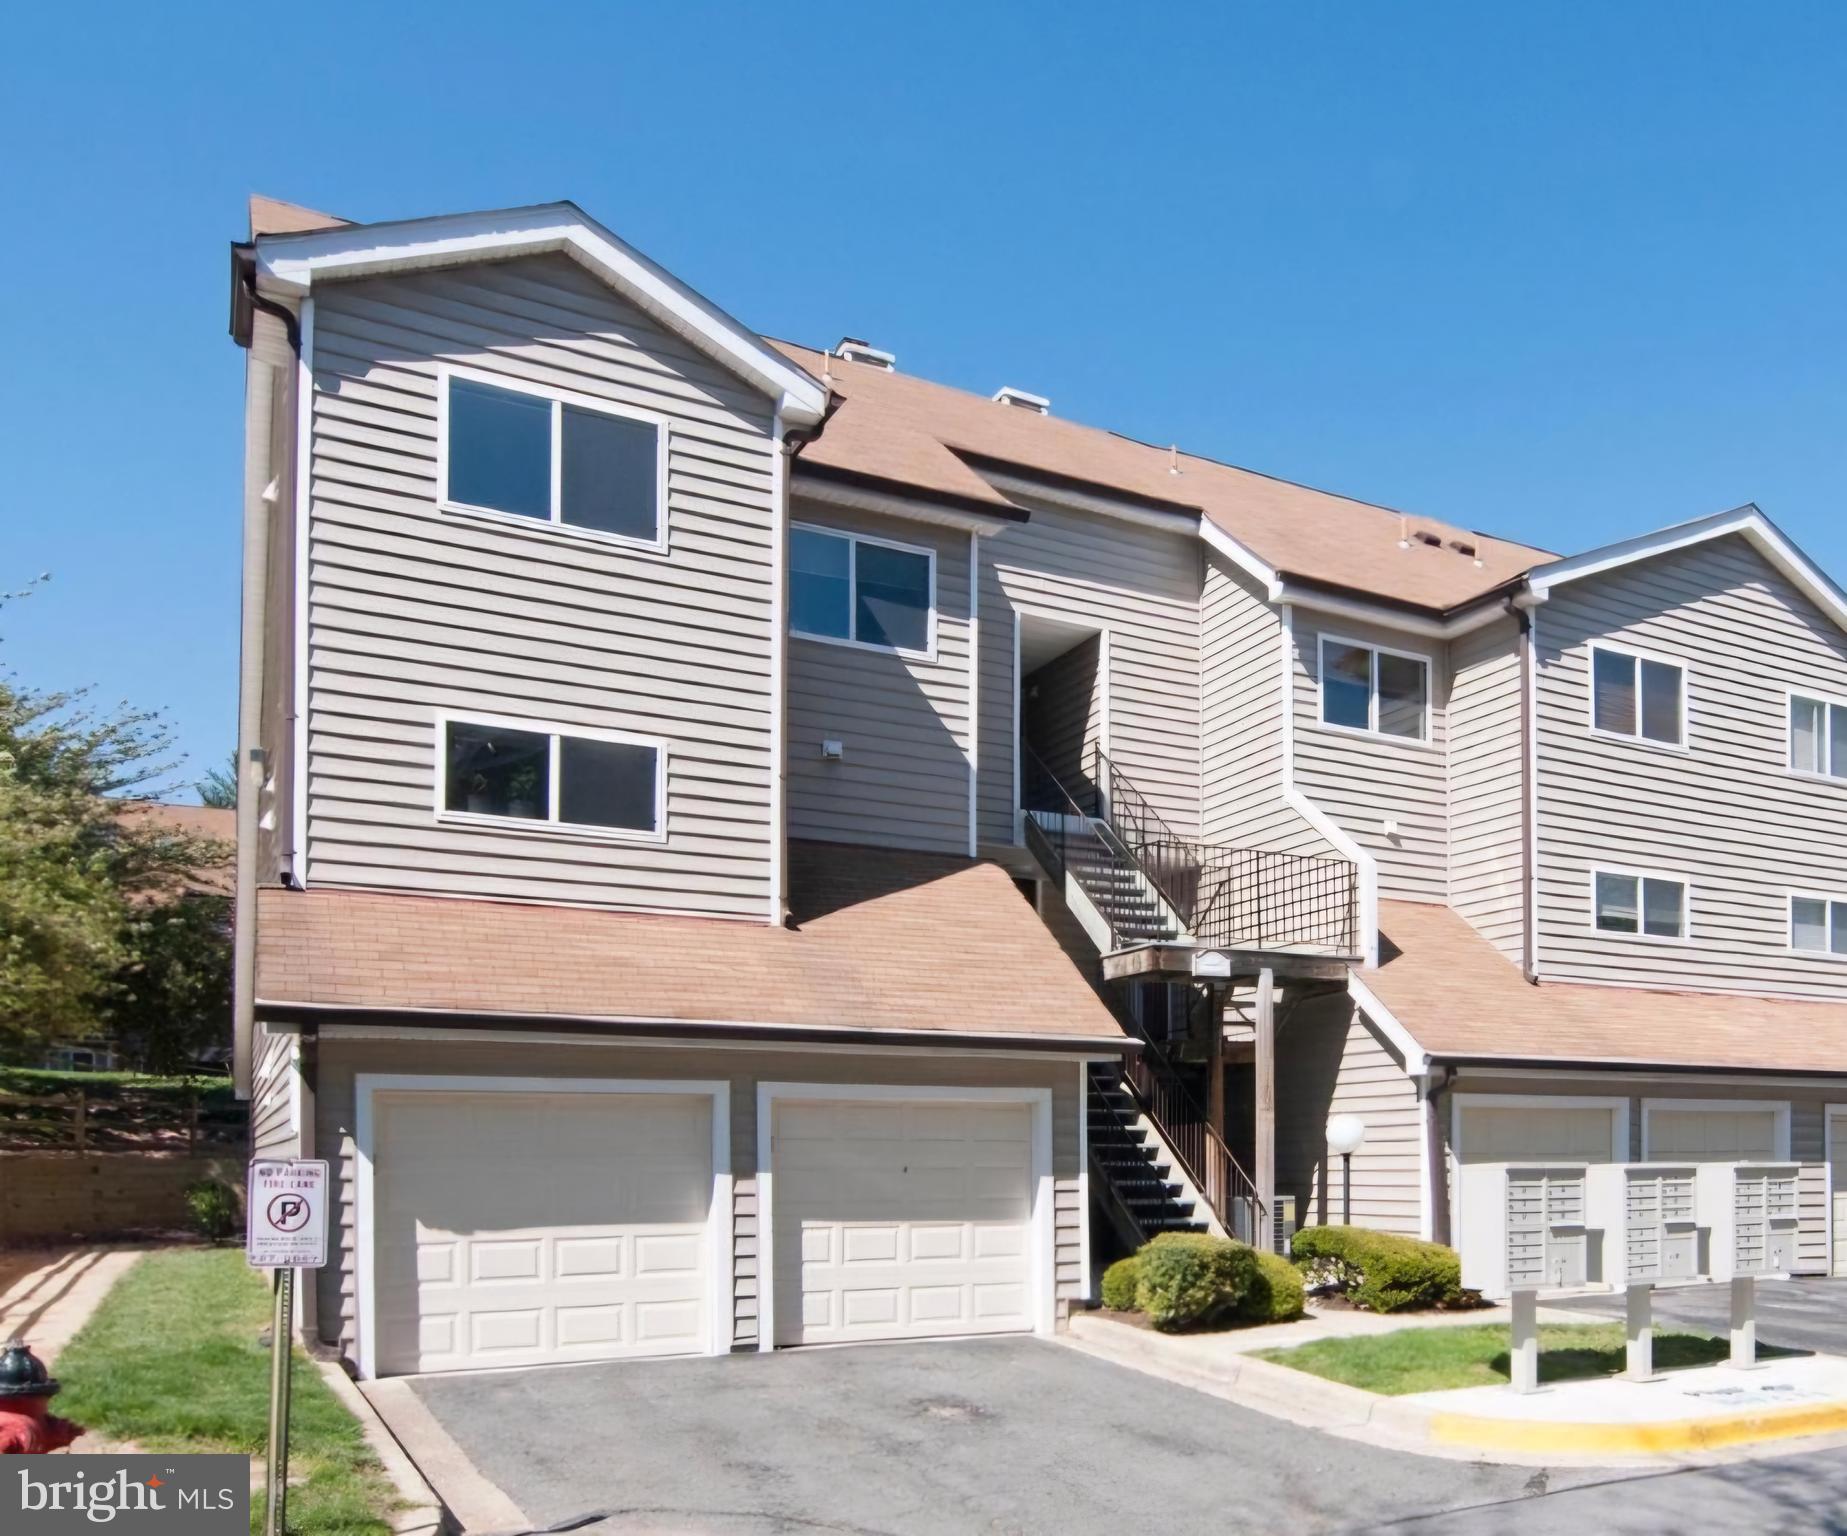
(1711, 1135)
(1505, 1133)
(532, 1228)
(900, 1220)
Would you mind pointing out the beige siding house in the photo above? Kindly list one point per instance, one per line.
(744, 847)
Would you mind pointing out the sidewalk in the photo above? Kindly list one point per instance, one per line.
(50, 1293)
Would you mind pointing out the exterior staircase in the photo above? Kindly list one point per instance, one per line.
(1135, 1172)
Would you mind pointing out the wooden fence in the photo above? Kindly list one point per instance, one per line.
(123, 1120)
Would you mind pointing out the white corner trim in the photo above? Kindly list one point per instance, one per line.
(1529, 694)
(1044, 1229)
(304, 512)
(779, 669)
(720, 1284)
(1829, 1114)
(1087, 1280)
(1764, 536)
(291, 263)
(1416, 1058)
(1319, 819)
(974, 690)
(1778, 1108)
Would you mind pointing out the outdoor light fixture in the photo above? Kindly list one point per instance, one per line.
(1346, 1135)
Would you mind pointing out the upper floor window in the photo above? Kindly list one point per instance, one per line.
(1651, 905)
(576, 463)
(1638, 696)
(861, 591)
(1818, 924)
(499, 770)
(1817, 736)
(1364, 688)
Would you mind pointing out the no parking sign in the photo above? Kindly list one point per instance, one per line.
(288, 1214)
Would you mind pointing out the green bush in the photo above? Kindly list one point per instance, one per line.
(1190, 1280)
(1120, 1284)
(1381, 1271)
(1276, 1291)
(213, 1208)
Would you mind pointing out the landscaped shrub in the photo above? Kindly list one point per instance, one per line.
(213, 1208)
(1190, 1280)
(1120, 1283)
(1276, 1291)
(1380, 1271)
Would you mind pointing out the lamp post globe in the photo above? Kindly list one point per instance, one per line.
(1346, 1135)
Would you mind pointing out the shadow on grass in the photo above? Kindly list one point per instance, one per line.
(1673, 1352)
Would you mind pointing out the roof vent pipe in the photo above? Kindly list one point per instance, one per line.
(856, 350)
(1008, 395)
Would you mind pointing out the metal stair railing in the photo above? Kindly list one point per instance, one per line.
(1162, 1094)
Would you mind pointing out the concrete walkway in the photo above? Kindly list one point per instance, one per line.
(52, 1293)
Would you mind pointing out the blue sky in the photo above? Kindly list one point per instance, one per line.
(1558, 272)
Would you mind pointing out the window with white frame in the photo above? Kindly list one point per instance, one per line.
(1818, 924)
(502, 772)
(519, 454)
(1650, 906)
(1638, 696)
(1364, 688)
(1817, 736)
(861, 590)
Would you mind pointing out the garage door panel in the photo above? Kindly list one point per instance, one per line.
(1494, 1133)
(1712, 1135)
(522, 1229)
(901, 1220)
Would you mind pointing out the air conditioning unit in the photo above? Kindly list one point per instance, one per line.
(1647, 1214)
(1523, 1227)
(1751, 1209)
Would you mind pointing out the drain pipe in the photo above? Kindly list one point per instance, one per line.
(1529, 789)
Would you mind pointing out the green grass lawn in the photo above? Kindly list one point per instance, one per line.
(171, 1360)
(1435, 1359)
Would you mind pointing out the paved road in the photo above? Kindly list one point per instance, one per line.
(1018, 1436)
(1796, 1314)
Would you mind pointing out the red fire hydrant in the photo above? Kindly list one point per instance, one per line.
(26, 1391)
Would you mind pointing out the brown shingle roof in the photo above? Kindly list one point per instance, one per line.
(217, 824)
(272, 216)
(1462, 999)
(897, 427)
(879, 941)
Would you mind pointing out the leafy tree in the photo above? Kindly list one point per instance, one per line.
(219, 786)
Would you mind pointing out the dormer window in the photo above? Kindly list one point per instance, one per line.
(1638, 696)
(585, 465)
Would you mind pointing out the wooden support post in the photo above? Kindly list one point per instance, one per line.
(80, 1123)
(1264, 1115)
(1215, 1096)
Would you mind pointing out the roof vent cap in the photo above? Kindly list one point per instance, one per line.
(857, 350)
(1023, 400)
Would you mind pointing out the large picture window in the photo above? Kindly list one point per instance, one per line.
(1817, 737)
(514, 453)
(1363, 688)
(1636, 696)
(857, 590)
(497, 771)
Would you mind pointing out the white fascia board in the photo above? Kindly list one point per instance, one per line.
(1247, 560)
(291, 263)
(1098, 503)
(1416, 1058)
(831, 493)
(1763, 535)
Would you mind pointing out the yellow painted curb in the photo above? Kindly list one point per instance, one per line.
(1541, 1437)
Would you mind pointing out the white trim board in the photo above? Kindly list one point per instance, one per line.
(291, 264)
(1777, 1107)
(303, 510)
(721, 1287)
(1045, 1253)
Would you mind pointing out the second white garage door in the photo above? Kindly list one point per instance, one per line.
(1715, 1135)
(901, 1219)
(1499, 1133)
(515, 1228)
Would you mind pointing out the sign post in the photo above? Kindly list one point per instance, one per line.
(287, 1204)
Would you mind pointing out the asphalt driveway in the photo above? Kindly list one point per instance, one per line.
(1793, 1314)
(988, 1436)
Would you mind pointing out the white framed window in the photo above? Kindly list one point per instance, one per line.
(854, 589)
(1642, 698)
(1817, 736)
(570, 463)
(1643, 905)
(1377, 691)
(1818, 924)
(498, 772)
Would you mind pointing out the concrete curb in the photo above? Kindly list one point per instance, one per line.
(472, 1502)
(1399, 1424)
(422, 1512)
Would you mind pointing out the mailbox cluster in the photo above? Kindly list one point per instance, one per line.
(1647, 1212)
(1751, 1211)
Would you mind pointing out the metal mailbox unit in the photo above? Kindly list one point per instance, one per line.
(1648, 1214)
(1751, 1209)
(1524, 1227)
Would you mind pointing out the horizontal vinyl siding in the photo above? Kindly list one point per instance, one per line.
(1362, 781)
(412, 612)
(1141, 585)
(1726, 813)
(1331, 1061)
(1807, 1108)
(272, 1101)
(743, 1069)
(903, 722)
(1241, 723)
(1487, 785)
